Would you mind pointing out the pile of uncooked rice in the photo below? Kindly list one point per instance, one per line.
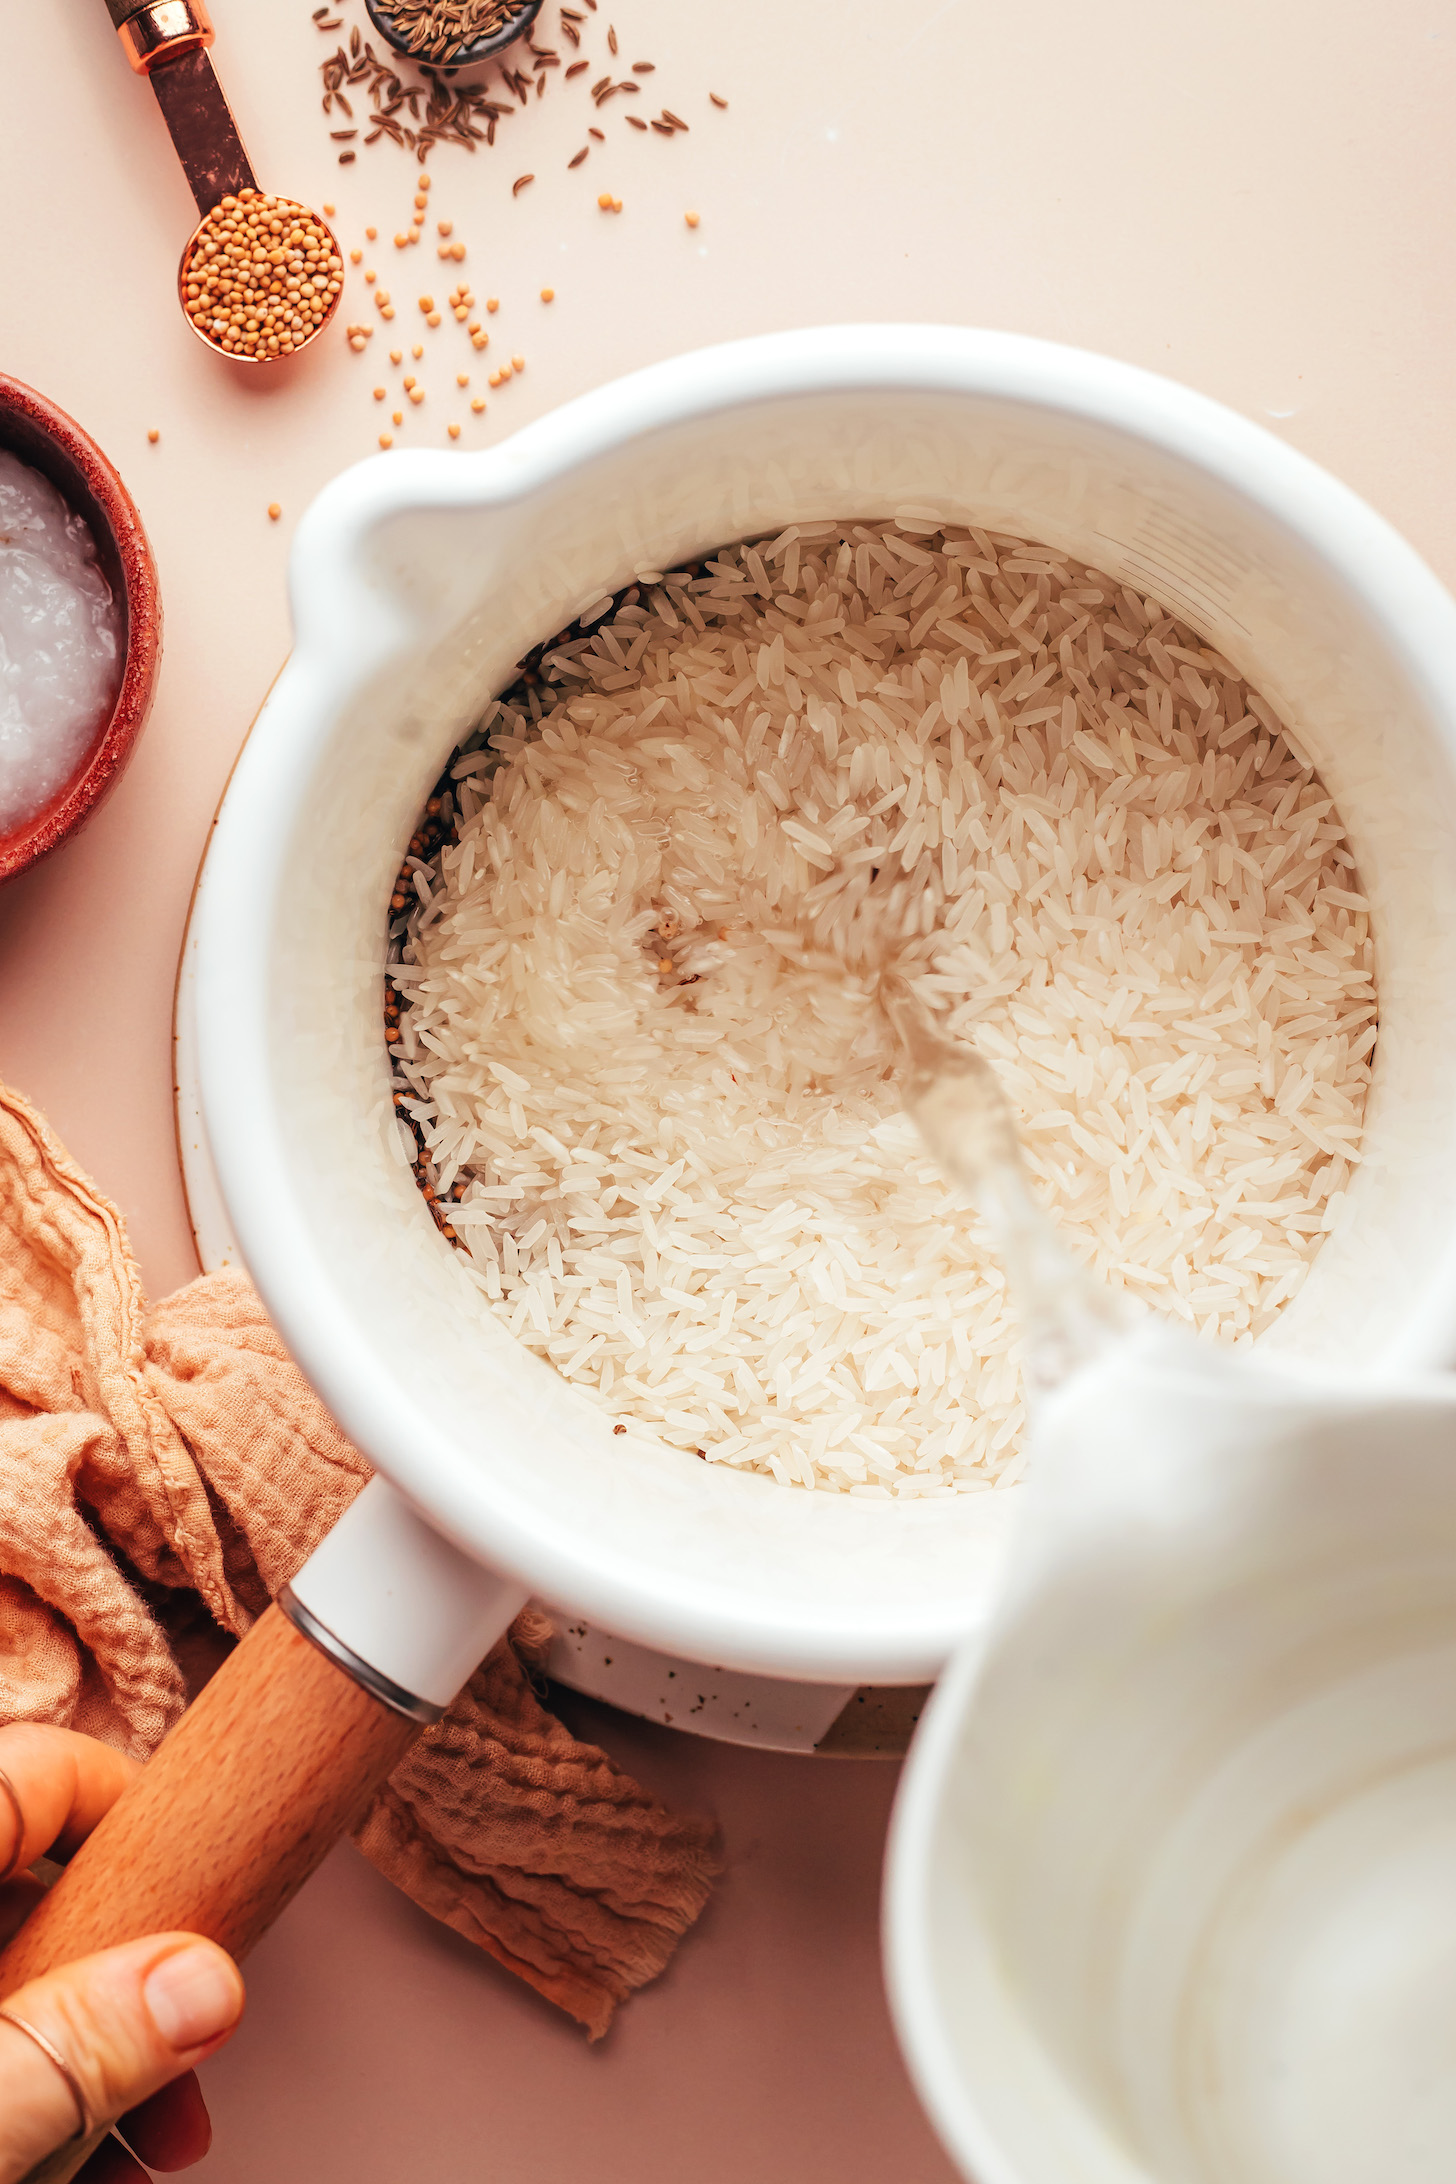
(668, 1113)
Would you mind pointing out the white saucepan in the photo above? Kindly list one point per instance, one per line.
(418, 580)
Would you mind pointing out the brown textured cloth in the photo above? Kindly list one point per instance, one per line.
(147, 1456)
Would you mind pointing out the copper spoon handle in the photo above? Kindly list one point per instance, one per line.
(167, 41)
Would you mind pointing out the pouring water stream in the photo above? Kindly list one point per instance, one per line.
(952, 1095)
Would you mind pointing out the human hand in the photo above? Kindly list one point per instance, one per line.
(129, 2023)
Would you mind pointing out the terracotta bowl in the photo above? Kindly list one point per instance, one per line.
(54, 444)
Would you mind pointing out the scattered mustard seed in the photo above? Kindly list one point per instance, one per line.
(417, 394)
(379, 394)
(396, 356)
(274, 511)
(370, 275)
(492, 303)
(445, 227)
(691, 218)
(329, 211)
(462, 379)
(371, 235)
(424, 181)
(397, 416)
(386, 439)
(454, 431)
(548, 295)
(478, 404)
(433, 319)
(356, 257)
(153, 435)
(518, 363)
(418, 350)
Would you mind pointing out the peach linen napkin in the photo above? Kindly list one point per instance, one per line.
(149, 1457)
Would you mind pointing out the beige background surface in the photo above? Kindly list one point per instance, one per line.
(1257, 200)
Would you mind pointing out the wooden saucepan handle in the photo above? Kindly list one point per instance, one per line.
(269, 1767)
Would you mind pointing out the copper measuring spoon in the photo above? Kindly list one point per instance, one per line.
(166, 41)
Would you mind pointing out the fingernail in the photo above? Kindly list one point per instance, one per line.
(193, 1995)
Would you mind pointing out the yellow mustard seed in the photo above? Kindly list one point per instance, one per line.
(386, 439)
(260, 275)
(454, 431)
(548, 295)
(274, 511)
(153, 435)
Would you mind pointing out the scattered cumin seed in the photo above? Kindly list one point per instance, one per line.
(634, 123)
(676, 119)
(520, 183)
(716, 100)
(611, 39)
(581, 155)
(644, 68)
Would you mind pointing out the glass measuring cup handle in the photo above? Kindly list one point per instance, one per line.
(152, 31)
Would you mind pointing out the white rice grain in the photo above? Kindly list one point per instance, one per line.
(632, 1039)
